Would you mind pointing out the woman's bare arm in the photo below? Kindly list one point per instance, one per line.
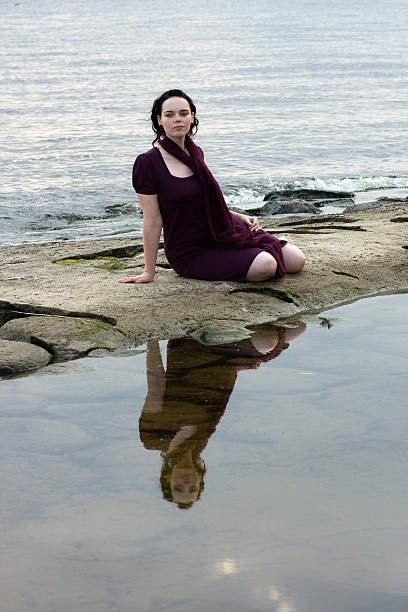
(152, 226)
(156, 378)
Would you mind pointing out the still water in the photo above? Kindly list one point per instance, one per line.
(265, 476)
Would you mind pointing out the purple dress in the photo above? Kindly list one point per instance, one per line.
(190, 249)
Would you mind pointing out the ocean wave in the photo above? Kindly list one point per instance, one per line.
(242, 196)
(254, 194)
(349, 184)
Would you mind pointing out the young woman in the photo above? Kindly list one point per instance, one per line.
(203, 239)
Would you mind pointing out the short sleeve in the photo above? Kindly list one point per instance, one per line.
(143, 176)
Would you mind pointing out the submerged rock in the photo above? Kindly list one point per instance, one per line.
(64, 337)
(66, 367)
(221, 332)
(20, 357)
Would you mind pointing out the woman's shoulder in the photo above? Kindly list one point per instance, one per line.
(145, 174)
(148, 156)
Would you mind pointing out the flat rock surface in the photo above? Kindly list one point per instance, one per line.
(356, 256)
(381, 204)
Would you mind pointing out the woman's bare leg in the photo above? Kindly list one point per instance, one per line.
(265, 339)
(293, 257)
(263, 267)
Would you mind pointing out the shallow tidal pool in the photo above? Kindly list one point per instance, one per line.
(268, 475)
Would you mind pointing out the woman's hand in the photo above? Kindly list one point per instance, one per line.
(251, 222)
(287, 238)
(145, 277)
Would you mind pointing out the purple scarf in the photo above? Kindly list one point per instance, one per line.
(226, 230)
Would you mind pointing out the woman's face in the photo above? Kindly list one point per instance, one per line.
(185, 484)
(176, 117)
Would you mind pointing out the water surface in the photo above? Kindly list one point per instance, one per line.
(298, 447)
(306, 93)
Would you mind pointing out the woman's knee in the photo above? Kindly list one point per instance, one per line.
(294, 258)
(263, 267)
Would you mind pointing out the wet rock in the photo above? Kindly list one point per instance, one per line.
(282, 207)
(387, 199)
(338, 202)
(240, 210)
(221, 332)
(382, 204)
(20, 357)
(288, 206)
(64, 337)
(307, 194)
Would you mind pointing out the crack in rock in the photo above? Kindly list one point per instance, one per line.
(267, 291)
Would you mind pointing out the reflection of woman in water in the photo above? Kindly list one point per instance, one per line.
(184, 404)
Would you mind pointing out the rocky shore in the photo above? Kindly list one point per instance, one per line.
(62, 300)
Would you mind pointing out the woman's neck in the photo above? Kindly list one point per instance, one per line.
(180, 142)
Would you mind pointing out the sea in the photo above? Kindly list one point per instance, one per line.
(307, 93)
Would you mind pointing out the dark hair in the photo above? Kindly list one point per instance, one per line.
(157, 111)
(166, 470)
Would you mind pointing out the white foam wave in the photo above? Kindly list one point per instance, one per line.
(245, 196)
(350, 184)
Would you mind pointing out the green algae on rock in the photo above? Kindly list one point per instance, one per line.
(220, 332)
(63, 337)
